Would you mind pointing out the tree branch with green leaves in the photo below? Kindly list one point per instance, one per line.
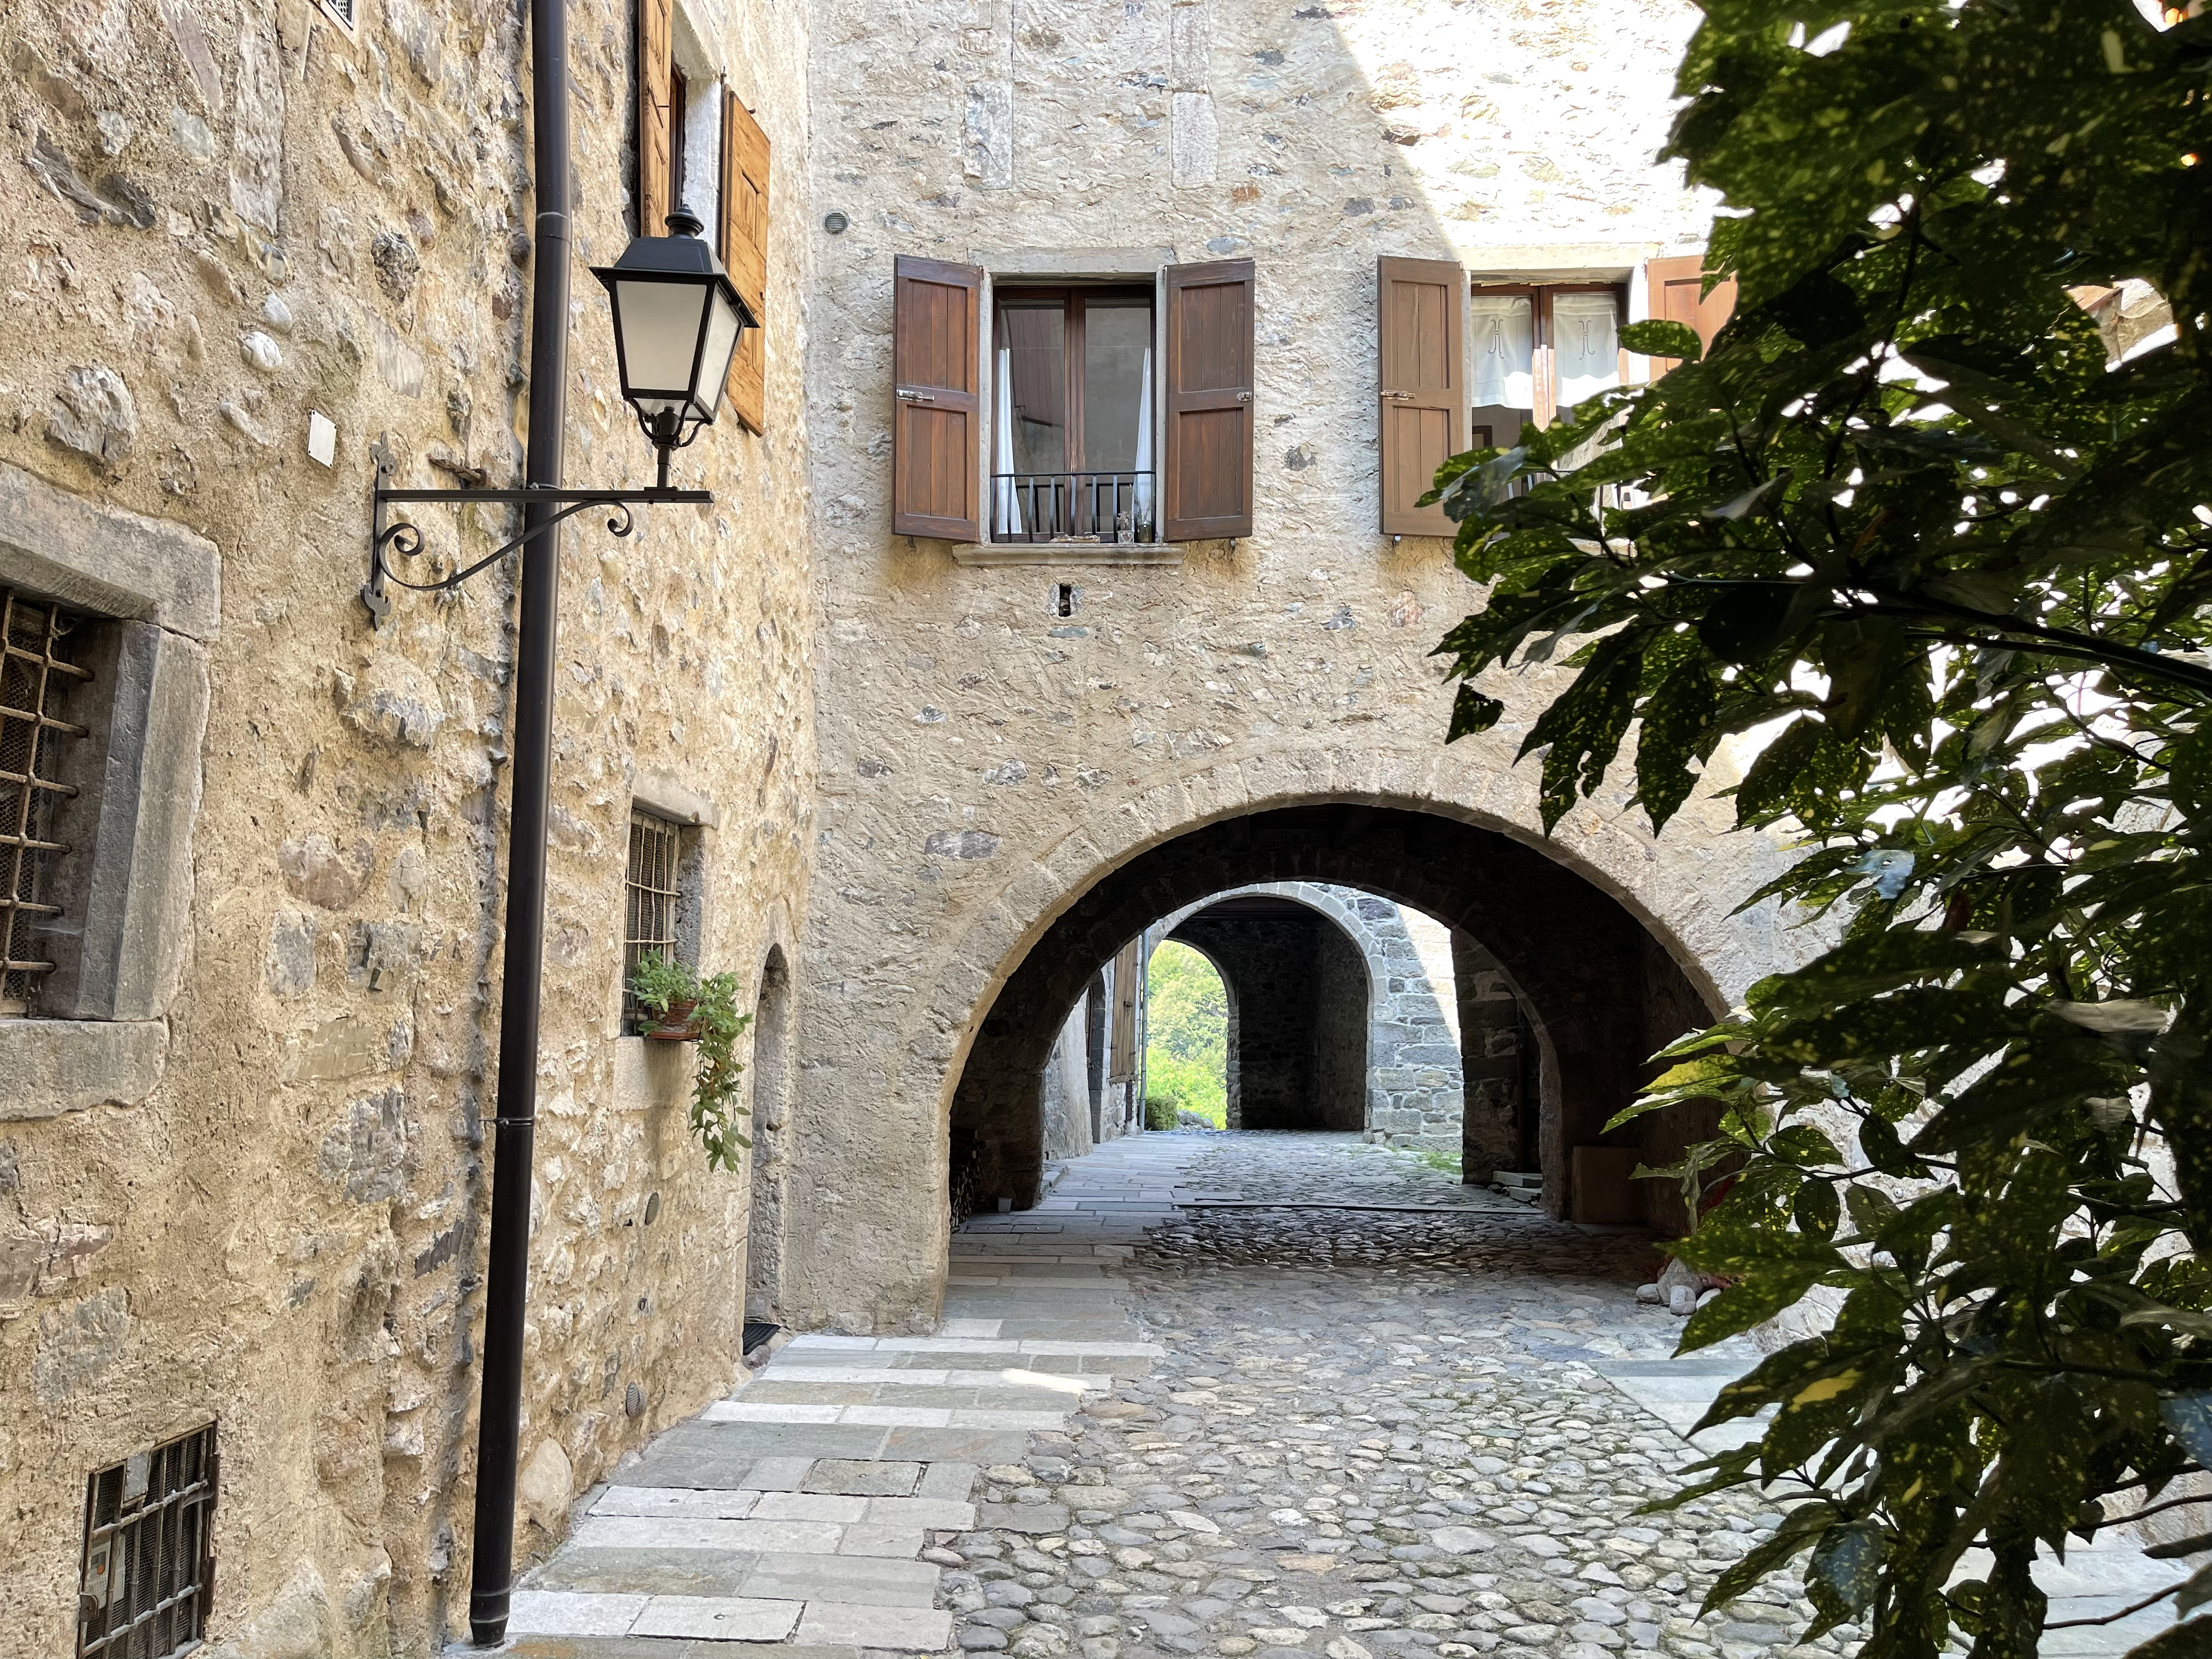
(1910, 532)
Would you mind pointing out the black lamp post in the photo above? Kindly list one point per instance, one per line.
(678, 322)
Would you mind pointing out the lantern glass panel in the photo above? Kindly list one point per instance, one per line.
(722, 330)
(659, 324)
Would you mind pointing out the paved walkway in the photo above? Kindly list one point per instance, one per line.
(1287, 1396)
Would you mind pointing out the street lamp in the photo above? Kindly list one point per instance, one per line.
(678, 321)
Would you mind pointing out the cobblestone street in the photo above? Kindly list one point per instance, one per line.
(1290, 1396)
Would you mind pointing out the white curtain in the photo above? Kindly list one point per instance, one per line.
(1504, 350)
(1005, 507)
(1143, 467)
(1589, 330)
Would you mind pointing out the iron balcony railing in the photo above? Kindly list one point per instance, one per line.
(1052, 506)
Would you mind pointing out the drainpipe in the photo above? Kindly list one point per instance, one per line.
(507, 1269)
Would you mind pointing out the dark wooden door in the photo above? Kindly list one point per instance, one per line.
(1209, 483)
(1422, 372)
(936, 426)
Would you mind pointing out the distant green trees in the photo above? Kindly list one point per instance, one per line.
(1186, 1034)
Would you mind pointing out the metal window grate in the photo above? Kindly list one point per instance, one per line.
(36, 674)
(149, 1555)
(652, 889)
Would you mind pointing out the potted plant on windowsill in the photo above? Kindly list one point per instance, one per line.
(679, 1006)
(667, 992)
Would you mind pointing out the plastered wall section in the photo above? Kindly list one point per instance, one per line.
(216, 221)
(983, 758)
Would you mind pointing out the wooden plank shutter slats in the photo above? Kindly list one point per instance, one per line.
(744, 239)
(656, 24)
(1677, 295)
(1122, 1063)
(937, 418)
(1208, 489)
(1422, 369)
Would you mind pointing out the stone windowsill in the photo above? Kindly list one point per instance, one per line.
(1162, 555)
(52, 1066)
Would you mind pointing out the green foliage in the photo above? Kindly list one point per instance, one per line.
(657, 981)
(1904, 519)
(1186, 1034)
(1160, 1111)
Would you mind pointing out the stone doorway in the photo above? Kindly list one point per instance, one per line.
(771, 1102)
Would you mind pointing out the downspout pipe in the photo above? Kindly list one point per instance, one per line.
(507, 1271)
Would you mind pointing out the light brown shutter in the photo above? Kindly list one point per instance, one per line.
(1123, 1063)
(936, 426)
(655, 29)
(1208, 487)
(1423, 373)
(744, 238)
(1677, 295)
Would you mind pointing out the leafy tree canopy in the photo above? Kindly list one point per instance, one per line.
(1907, 519)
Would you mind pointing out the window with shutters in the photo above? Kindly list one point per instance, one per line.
(1071, 426)
(1096, 412)
(699, 146)
(1537, 350)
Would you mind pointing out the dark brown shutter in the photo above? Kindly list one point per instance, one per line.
(745, 254)
(1677, 295)
(1208, 486)
(1423, 374)
(655, 28)
(1123, 1062)
(936, 428)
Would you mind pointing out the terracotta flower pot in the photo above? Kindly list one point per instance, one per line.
(676, 1025)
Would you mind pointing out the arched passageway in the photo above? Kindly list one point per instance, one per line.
(1600, 993)
(1299, 997)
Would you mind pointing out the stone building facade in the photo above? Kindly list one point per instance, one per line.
(252, 250)
(922, 790)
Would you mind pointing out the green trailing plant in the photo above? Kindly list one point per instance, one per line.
(660, 983)
(1910, 524)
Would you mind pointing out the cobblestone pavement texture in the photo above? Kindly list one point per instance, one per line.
(1183, 1408)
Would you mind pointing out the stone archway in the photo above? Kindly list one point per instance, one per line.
(1601, 991)
(1298, 1050)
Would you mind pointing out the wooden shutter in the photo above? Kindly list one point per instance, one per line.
(1208, 486)
(744, 238)
(1677, 295)
(936, 426)
(655, 29)
(1127, 971)
(1422, 372)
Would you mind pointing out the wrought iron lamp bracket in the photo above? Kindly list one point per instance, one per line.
(400, 535)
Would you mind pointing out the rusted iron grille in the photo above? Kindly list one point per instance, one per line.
(149, 1563)
(651, 891)
(35, 676)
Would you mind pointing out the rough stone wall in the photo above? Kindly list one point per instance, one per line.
(218, 220)
(985, 760)
(1273, 960)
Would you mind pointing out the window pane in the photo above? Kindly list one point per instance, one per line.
(1504, 350)
(1117, 352)
(1032, 389)
(1589, 330)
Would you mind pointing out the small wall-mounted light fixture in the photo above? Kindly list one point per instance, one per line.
(836, 223)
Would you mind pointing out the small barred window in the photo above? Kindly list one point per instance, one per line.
(39, 670)
(652, 889)
(148, 1559)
